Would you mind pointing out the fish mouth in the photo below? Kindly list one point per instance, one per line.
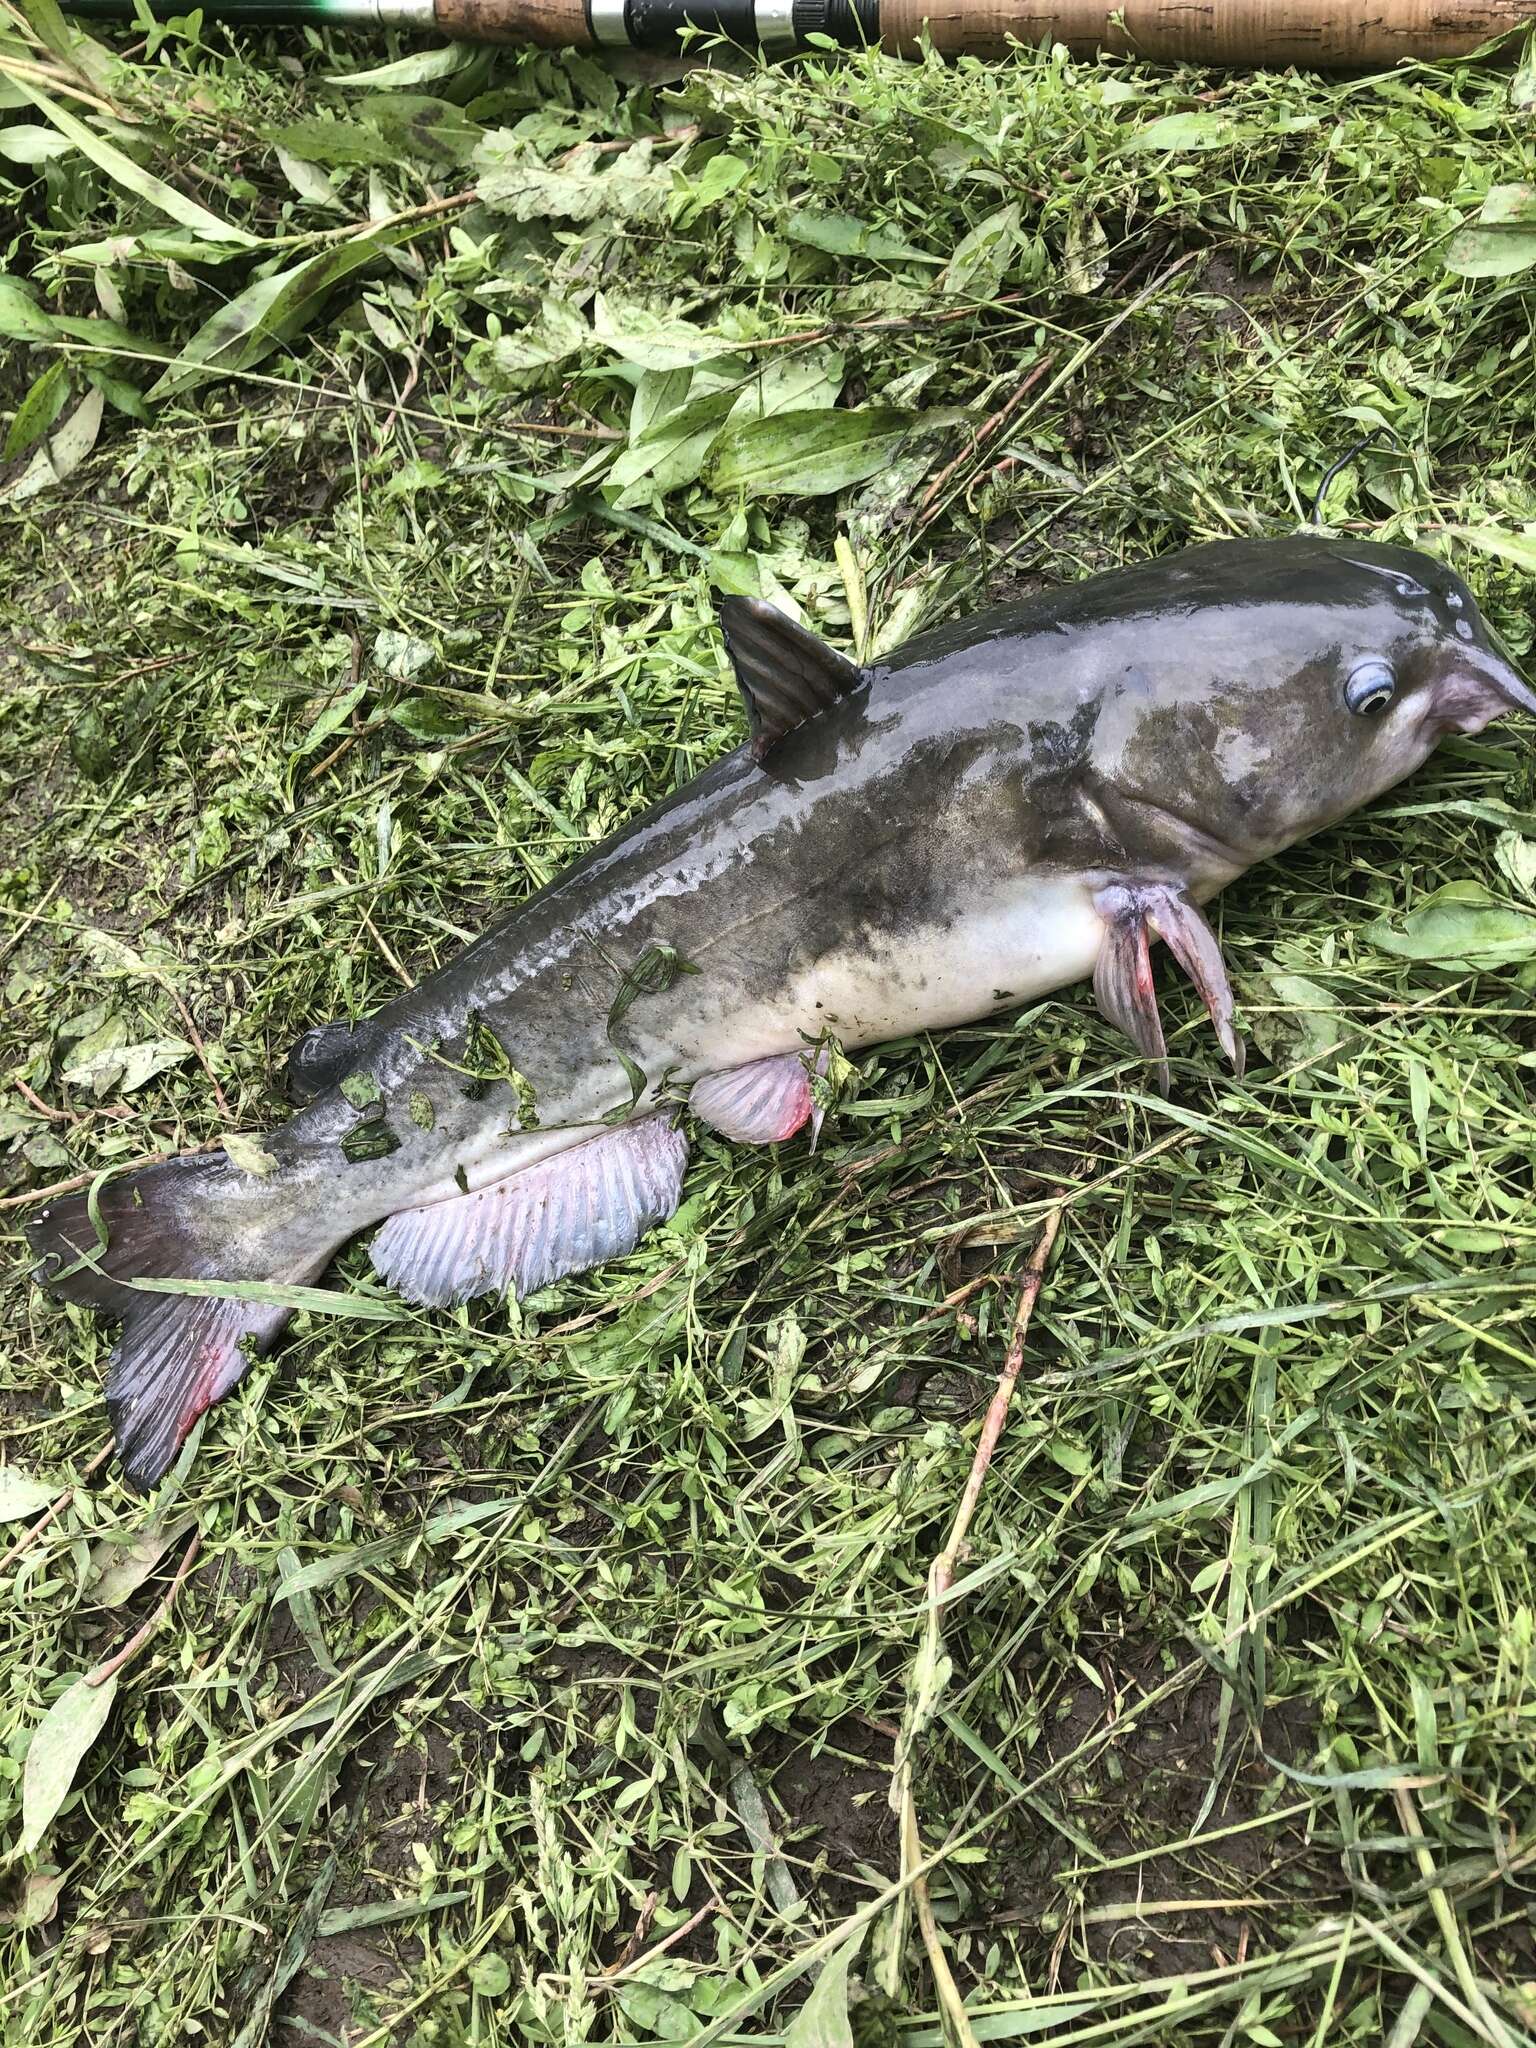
(1202, 852)
(1483, 686)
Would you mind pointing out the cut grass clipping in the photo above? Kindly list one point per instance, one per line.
(378, 429)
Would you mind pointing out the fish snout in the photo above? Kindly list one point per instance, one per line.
(1483, 685)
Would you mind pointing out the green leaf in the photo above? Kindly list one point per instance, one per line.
(822, 2022)
(980, 259)
(809, 454)
(1491, 252)
(658, 968)
(122, 170)
(1509, 206)
(157, 245)
(307, 179)
(54, 1755)
(1306, 1023)
(29, 143)
(369, 1138)
(840, 234)
(425, 718)
(403, 657)
(331, 719)
(514, 179)
(38, 410)
(38, 1900)
(245, 1151)
(557, 332)
(380, 1912)
(1519, 548)
(673, 440)
(490, 1975)
(21, 317)
(415, 125)
(121, 1069)
(1208, 130)
(117, 391)
(61, 453)
(121, 1568)
(340, 145)
(421, 69)
(274, 309)
(319, 1301)
(1461, 925)
(1502, 241)
(651, 340)
(1085, 258)
(21, 1495)
(721, 175)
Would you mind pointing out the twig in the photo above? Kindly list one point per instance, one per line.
(46, 74)
(622, 1968)
(926, 1682)
(28, 1537)
(202, 1052)
(401, 400)
(942, 1576)
(641, 1929)
(985, 431)
(54, 1116)
(141, 1635)
(58, 1187)
(384, 947)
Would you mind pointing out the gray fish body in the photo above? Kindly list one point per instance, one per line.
(994, 811)
(924, 852)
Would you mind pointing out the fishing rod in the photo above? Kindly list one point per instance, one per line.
(1317, 34)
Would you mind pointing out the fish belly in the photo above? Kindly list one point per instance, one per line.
(1002, 949)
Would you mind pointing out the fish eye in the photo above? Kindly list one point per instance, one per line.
(1370, 688)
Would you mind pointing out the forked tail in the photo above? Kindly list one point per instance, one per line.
(194, 1218)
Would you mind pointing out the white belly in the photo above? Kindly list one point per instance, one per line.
(998, 951)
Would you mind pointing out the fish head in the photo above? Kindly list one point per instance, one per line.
(1301, 680)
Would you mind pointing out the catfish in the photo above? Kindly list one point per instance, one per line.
(1028, 798)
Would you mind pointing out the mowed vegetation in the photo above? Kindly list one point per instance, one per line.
(382, 421)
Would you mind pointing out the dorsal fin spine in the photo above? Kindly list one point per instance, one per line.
(785, 674)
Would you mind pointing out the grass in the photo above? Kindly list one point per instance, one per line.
(539, 1677)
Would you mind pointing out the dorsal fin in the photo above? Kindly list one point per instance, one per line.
(786, 674)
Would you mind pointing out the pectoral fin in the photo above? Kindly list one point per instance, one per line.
(1134, 913)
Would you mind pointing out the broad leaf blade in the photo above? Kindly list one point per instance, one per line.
(822, 2022)
(21, 1495)
(274, 309)
(56, 1752)
(810, 454)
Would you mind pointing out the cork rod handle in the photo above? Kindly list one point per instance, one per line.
(1321, 34)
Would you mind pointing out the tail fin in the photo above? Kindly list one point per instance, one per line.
(188, 1218)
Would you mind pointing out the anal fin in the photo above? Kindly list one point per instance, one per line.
(590, 1203)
